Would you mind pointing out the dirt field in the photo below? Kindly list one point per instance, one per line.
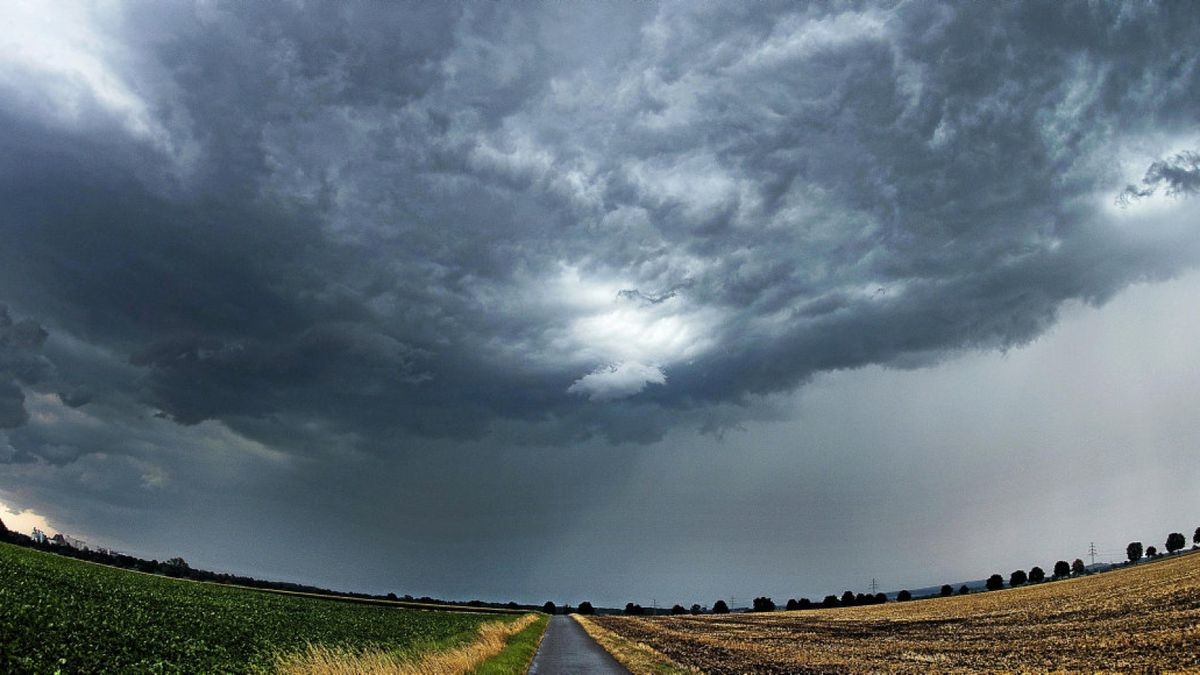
(1145, 618)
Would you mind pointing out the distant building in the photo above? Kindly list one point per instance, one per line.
(39, 536)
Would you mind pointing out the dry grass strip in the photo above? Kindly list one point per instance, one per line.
(322, 660)
(639, 657)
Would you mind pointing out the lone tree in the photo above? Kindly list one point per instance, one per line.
(1037, 575)
(1017, 578)
(1134, 551)
(549, 607)
(1062, 568)
(1175, 542)
(1078, 567)
(677, 610)
(697, 609)
(585, 607)
(903, 596)
(963, 590)
(719, 607)
(1151, 552)
(947, 590)
(995, 582)
(764, 604)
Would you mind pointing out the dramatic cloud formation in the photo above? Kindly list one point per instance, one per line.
(20, 363)
(328, 234)
(617, 381)
(1180, 175)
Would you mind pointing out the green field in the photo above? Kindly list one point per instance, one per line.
(59, 614)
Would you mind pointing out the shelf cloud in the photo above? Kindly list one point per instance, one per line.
(370, 233)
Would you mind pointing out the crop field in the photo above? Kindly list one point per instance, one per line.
(58, 614)
(1144, 618)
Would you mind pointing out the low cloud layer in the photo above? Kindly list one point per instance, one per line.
(616, 381)
(1178, 176)
(357, 233)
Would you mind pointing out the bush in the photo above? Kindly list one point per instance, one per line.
(719, 607)
(995, 582)
(633, 609)
(1037, 575)
(903, 596)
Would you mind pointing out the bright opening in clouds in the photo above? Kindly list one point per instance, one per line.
(549, 266)
(617, 381)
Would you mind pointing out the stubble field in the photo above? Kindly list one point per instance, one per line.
(1142, 618)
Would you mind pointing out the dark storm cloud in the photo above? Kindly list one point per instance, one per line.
(1179, 175)
(431, 220)
(21, 363)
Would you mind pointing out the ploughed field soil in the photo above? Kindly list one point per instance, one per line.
(1141, 618)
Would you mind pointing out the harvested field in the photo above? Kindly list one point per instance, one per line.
(1143, 618)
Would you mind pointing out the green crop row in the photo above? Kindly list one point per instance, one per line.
(58, 614)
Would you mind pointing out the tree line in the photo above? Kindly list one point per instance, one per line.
(1060, 570)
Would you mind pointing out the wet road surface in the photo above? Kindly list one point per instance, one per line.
(568, 650)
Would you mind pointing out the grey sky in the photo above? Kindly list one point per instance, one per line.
(606, 300)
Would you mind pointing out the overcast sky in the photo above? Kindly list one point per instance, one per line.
(607, 301)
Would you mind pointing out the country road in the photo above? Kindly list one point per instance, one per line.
(568, 650)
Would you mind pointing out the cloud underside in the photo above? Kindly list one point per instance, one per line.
(617, 381)
(353, 224)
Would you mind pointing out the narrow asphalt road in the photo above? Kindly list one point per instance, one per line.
(568, 650)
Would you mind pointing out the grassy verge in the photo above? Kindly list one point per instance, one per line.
(639, 658)
(492, 641)
(518, 653)
(57, 613)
